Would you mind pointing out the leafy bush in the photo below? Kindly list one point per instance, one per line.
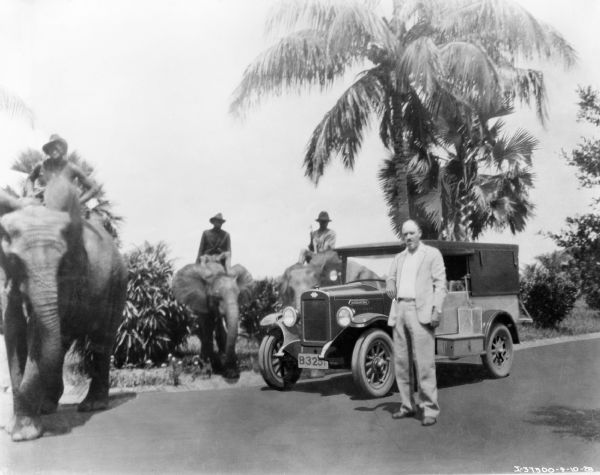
(581, 239)
(263, 300)
(155, 324)
(547, 295)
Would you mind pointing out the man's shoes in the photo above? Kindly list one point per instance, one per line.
(428, 421)
(403, 414)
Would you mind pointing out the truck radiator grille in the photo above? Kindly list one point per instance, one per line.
(315, 320)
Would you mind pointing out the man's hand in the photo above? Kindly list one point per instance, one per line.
(435, 318)
(390, 289)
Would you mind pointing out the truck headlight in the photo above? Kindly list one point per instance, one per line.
(289, 316)
(333, 275)
(343, 316)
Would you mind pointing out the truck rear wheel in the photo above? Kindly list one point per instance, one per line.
(499, 352)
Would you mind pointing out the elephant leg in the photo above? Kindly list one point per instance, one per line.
(206, 330)
(99, 372)
(25, 423)
(55, 388)
(28, 394)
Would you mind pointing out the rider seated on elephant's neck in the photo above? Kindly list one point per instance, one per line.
(215, 244)
(321, 240)
(54, 166)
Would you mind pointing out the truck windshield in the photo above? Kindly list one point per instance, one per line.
(369, 267)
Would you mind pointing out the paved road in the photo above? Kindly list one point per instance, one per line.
(546, 414)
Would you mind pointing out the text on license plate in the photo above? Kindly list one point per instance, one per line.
(311, 361)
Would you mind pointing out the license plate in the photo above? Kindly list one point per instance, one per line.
(306, 360)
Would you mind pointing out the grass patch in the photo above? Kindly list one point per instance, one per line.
(580, 321)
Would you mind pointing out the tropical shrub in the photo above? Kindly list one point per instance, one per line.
(154, 324)
(581, 239)
(263, 300)
(548, 296)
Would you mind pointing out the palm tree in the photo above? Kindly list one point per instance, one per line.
(28, 159)
(438, 70)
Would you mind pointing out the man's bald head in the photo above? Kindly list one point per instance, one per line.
(411, 233)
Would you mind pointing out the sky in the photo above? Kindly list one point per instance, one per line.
(141, 89)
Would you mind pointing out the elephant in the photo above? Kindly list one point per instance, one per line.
(322, 270)
(214, 296)
(65, 280)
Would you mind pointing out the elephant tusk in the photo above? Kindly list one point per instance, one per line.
(25, 309)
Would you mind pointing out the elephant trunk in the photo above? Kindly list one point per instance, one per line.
(232, 317)
(43, 370)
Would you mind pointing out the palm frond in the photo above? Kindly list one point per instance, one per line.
(518, 147)
(527, 86)
(14, 106)
(392, 182)
(473, 75)
(507, 25)
(419, 66)
(431, 205)
(296, 62)
(27, 160)
(346, 23)
(341, 130)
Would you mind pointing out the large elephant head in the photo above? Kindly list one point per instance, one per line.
(213, 295)
(324, 269)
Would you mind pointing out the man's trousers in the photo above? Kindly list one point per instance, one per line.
(415, 343)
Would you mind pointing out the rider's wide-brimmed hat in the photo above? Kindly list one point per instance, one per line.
(217, 217)
(55, 139)
(323, 216)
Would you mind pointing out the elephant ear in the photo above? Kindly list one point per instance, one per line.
(8, 203)
(245, 282)
(190, 287)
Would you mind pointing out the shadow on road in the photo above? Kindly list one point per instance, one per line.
(67, 417)
(332, 385)
(449, 374)
(568, 421)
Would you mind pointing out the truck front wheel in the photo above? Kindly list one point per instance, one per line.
(373, 363)
(278, 372)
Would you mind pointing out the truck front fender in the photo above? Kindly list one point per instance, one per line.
(270, 320)
(362, 320)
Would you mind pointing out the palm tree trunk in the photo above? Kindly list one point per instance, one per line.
(403, 209)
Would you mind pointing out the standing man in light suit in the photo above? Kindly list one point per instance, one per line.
(417, 285)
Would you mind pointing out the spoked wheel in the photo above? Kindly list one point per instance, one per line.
(278, 372)
(372, 363)
(498, 357)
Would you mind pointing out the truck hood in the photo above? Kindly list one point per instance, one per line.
(353, 290)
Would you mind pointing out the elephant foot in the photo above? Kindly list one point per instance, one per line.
(232, 374)
(22, 428)
(217, 364)
(90, 404)
(49, 407)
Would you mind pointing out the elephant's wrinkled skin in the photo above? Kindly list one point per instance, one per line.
(66, 280)
(300, 277)
(214, 297)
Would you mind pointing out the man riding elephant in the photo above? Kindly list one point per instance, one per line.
(56, 164)
(215, 244)
(321, 240)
